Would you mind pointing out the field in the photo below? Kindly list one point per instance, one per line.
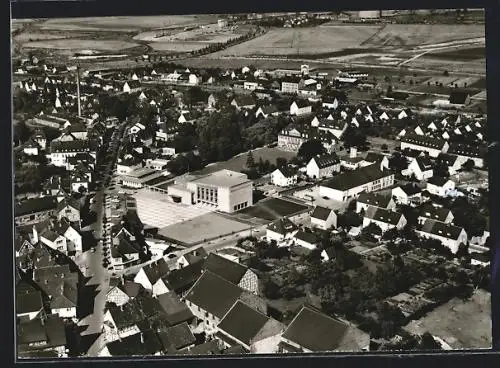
(177, 46)
(41, 36)
(403, 35)
(207, 226)
(447, 322)
(464, 54)
(458, 66)
(238, 163)
(81, 44)
(273, 209)
(303, 41)
(124, 24)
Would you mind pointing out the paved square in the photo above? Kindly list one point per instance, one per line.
(156, 210)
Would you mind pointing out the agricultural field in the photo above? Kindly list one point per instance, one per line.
(456, 66)
(42, 36)
(464, 54)
(76, 44)
(303, 41)
(177, 46)
(403, 35)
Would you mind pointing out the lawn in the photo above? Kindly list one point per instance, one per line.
(462, 325)
(238, 163)
(298, 41)
(205, 227)
(273, 209)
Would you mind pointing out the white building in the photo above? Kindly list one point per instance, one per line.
(408, 194)
(299, 108)
(366, 200)
(323, 166)
(284, 177)
(449, 235)
(421, 168)
(281, 231)
(384, 219)
(323, 218)
(440, 186)
(424, 143)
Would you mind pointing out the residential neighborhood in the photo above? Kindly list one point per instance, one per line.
(164, 208)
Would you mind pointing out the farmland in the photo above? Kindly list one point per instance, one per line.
(467, 54)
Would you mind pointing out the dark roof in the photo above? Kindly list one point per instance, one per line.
(28, 302)
(355, 178)
(175, 311)
(51, 331)
(302, 103)
(71, 146)
(410, 189)
(424, 163)
(176, 337)
(35, 205)
(133, 84)
(316, 331)
(307, 237)
(155, 270)
(235, 350)
(282, 226)
(438, 180)
(223, 267)
(424, 141)
(182, 279)
(243, 322)
(326, 160)
(483, 257)
(131, 288)
(214, 294)
(383, 215)
(441, 229)
(269, 109)
(374, 199)
(466, 150)
(447, 158)
(321, 213)
(144, 343)
(195, 255)
(458, 97)
(374, 157)
(288, 171)
(434, 213)
(244, 100)
(207, 348)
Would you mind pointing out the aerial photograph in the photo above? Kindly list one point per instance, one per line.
(231, 184)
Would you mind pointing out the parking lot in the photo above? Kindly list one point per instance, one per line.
(312, 197)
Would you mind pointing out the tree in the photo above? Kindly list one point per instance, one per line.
(428, 342)
(281, 162)
(310, 149)
(354, 138)
(463, 251)
(250, 161)
(81, 189)
(468, 165)
(384, 147)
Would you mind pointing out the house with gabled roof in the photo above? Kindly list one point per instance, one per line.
(424, 143)
(39, 336)
(300, 107)
(34, 209)
(29, 303)
(284, 176)
(181, 280)
(366, 200)
(383, 218)
(122, 291)
(449, 235)
(243, 102)
(336, 127)
(323, 166)
(149, 275)
(377, 158)
(421, 168)
(440, 186)
(175, 311)
(436, 213)
(123, 254)
(305, 239)
(451, 161)
(312, 331)
(254, 331)
(467, 152)
(281, 231)
(131, 86)
(191, 257)
(408, 194)
(460, 98)
(323, 218)
(265, 111)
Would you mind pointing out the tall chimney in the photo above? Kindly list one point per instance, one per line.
(78, 91)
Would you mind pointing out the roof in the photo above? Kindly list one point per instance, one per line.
(306, 237)
(466, 150)
(207, 348)
(302, 103)
(242, 322)
(383, 215)
(176, 311)
(424, 141)
(214, 294)
(28, 302)
(434, 213)
(374, 199)
(34, 205)
(438, 180)
(269, 109)
(447, 158)
(133, 84)
(287, 171)
(244, 100)
(130, 288)
(374, 157)
(316, 331)
(355, 178)
(195, 255)
(52, 331)
(182, 279)
(155, 270)
(410, 189)
(424, 163)
(223, 178)
(144, 343)
(441, 229)
(326, 160)
(458, 97)
(71, 146)
(223, 267)
(282, 226)
(176, 337)
(321, 213)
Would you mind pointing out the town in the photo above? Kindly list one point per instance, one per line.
(166, 208)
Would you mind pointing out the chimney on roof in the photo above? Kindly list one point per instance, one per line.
(142, 338)
(353, 152)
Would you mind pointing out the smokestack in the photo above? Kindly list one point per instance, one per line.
(78, 91)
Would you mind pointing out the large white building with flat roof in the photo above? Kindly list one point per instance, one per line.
(224, 190)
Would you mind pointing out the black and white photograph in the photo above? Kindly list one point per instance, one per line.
(257, 183)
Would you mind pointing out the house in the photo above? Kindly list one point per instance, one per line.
(424, 143)
(420, 167)
(300, 107)
(122, 291)
(249, 328)
(243, 102)
(336, 127)
(330, 103)
(383, 218)
(42, 337)
(440, 186)
(211, 101)
(34, 209)
(40, 138)
(352, 183)
(292, 137)
(290, 86)
(181, 280)
(123, 254)
(466, 152)
(377, 158)
(136, 128)
(312, 331)
(266, 111)
(74, 240)
(328, 254)
(29, 303)
(366, 200)
(281, 231)
(191, 257)
(186, 117)
(284, 176)
(79, 182)
(144, 343)
(323, 218)
(323, 166)
(408, 194)
(460, 98)
(233, 272)
(451, 161)
(436, 213)
(149, 275)
(251, 86)
(131, 86)
(31, 148)
(176, 339)
(306, 240)
(210, 298)
(175, 311)
(449, 235)
(480, 259)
